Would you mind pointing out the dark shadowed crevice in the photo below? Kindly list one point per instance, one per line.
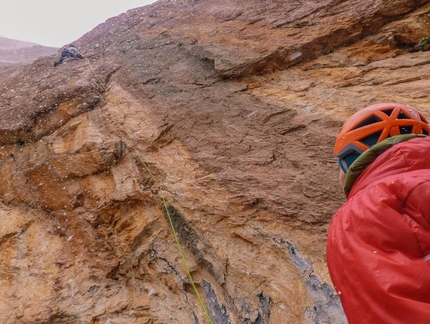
(326, 304)
(217, 312)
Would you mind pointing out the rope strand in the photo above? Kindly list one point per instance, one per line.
(138, 155)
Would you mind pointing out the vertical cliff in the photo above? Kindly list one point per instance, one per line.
(219, 114)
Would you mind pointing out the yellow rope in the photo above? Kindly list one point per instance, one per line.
(121, 114)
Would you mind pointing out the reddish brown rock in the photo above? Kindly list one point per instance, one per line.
(233, 106)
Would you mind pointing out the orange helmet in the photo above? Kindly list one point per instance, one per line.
(372, 125)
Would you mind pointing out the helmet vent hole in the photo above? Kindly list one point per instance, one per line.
(371, 120)
(387, 112)
(402, 115)
(425, 132)
(371, 139)
(405, 129)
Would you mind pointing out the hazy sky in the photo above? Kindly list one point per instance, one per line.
(58, 22)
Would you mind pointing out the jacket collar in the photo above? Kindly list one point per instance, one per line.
(365, 159)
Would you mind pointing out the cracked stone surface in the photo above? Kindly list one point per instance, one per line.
(233, 106)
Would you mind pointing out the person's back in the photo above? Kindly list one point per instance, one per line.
(378, 248)
(73, 51)
(66, 52)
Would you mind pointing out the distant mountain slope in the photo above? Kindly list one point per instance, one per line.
(14, 51)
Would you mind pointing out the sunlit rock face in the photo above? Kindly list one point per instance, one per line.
(224, 113)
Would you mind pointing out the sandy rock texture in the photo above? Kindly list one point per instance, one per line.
(223, 113)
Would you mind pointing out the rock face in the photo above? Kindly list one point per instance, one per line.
(14, 52)
(223, 113)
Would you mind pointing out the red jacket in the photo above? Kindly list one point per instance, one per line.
(378, 248)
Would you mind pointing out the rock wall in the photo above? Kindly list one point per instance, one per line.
(223, 113)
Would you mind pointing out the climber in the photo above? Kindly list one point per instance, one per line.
(378, 246)
(69, 51)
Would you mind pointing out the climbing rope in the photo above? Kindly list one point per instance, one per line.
(138, 155)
